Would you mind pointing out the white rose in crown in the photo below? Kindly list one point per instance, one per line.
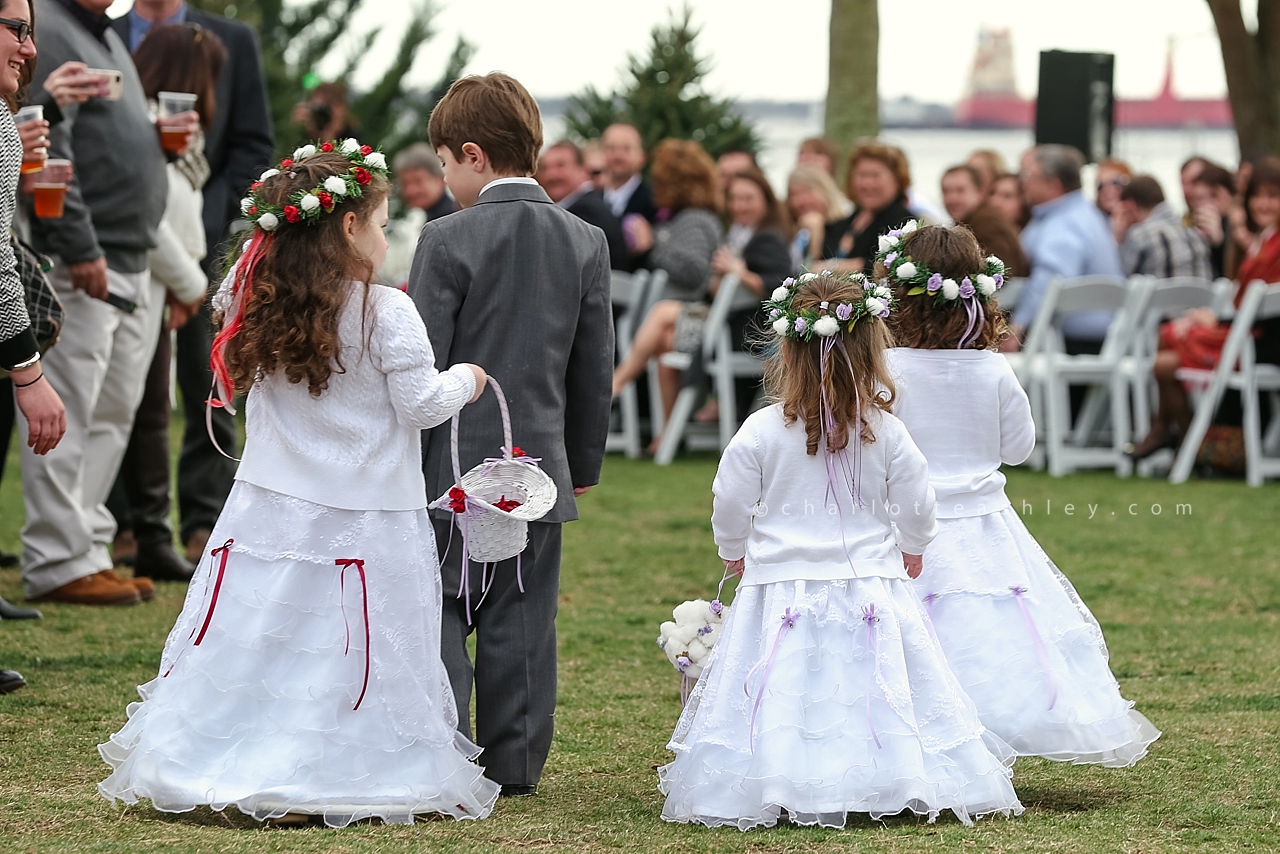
(826, 326)
(910, 226)
(905, 271)
(245, 204)
(950, 289)
(270, 173)
(875, 307)
(304, 152)
(688, 638)
(986, 285)
(309, 203)
(887, 242)
(882, 292)
(375, 160)
(335, 185)
(991, 259)
(268, 222)
(350, 146)
(779, 294)
(781, 326)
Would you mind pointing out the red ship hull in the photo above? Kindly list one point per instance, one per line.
(1006, 111)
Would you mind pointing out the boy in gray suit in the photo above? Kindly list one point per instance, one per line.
(516, 284)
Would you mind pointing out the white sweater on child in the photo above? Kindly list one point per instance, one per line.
(772, 506)
(968, 414)
(356, 446)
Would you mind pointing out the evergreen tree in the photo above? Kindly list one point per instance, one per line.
(663, 97)
(297, 37)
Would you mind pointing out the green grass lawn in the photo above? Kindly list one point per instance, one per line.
(1190, 605)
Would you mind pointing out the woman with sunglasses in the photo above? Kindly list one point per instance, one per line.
(19, 356)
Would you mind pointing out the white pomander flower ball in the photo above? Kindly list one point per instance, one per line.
(689, 637)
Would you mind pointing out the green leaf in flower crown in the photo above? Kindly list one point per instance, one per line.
(916, 291)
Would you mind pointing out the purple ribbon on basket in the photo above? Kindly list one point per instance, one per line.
(1037, 642)
(788, 622)
(870, 617)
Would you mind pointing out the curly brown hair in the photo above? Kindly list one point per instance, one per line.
(794, 375)
(684, 176)
(918, 323)
(303, 280)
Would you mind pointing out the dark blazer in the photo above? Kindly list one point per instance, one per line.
(520, 287)
(864, 243)
(641, 202)
(240, 144)
(592, 208)
(996, 237)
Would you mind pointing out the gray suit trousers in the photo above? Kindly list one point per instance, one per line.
(515, 667)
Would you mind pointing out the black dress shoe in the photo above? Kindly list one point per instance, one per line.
(8, 561)
(13, 612)
(517, 791)
(10, 681)
(160, 561)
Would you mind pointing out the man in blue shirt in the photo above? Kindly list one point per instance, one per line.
(1067, 237)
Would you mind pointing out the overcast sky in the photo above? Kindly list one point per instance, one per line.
(777, 49)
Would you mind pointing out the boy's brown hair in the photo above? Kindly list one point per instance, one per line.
(918, 323)
(496, 113)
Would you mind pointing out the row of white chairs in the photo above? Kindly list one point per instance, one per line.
(1120, 376)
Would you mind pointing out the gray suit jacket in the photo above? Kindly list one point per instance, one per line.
(520, 287)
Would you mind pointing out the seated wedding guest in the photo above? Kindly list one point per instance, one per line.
(962, 196)
(1158, 244)
(819, 211)
(819, 151)
(563, 175)
(1067, 237)
(1006, 197)
(420, 179)
(1112, 176)
(1196, 339)
(877, 182)
(990, 165)
(682, 244)
(597, 165)
(732, 162)
(1191, 169)
(921, 206)
(625, 191)
(1211, 201)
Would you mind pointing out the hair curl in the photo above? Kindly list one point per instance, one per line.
(794, 375)
(684, 176)
(919, 323)
(290, 318)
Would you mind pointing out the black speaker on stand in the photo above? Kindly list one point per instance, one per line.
(1076, 105)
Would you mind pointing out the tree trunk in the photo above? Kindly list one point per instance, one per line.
(853, 107)
(1251, 62)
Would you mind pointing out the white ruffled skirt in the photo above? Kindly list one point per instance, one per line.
(261, 714)
(1024, 646)
(859, 713)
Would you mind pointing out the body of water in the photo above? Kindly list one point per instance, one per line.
(931, 151)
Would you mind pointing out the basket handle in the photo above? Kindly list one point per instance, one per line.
(506, 432)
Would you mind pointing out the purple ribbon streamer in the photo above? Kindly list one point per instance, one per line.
(686, 688)
(788, 622)
(838, 463)
(977, 317)
(1037, 642)
(870, 617)
(928, 604)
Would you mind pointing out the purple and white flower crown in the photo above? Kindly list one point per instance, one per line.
(309, 205)
(825, 320)
(905, 270)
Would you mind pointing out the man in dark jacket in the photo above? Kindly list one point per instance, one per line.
(563, 174)
(239, 146)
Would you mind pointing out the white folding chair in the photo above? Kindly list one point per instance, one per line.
(723, 364)
(1168, 299)
(657, 284)
(1007, 297)
(1047, 364)
(1238, 368)
(628, 292)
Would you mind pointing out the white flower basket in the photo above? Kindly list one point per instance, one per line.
(491, 534)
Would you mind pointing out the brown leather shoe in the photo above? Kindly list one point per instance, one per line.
(96, 589)
(145, 586)
(196, 544)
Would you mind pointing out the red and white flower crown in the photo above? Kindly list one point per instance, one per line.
(309, 205)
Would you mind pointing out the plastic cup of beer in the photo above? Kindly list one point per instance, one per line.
(50, 188)
(32, 161)
(171, 104)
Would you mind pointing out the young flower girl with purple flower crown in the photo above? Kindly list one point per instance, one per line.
(827, 692)
(1023, 645)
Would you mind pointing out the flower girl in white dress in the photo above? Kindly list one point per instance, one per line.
(303, 676)
(827, 692)
(1025, 648)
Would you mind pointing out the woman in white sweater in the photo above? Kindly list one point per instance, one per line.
(827, 692)
(1022, 643)
(303, 676)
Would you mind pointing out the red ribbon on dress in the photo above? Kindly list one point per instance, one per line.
(225, 549)
(347, 563)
